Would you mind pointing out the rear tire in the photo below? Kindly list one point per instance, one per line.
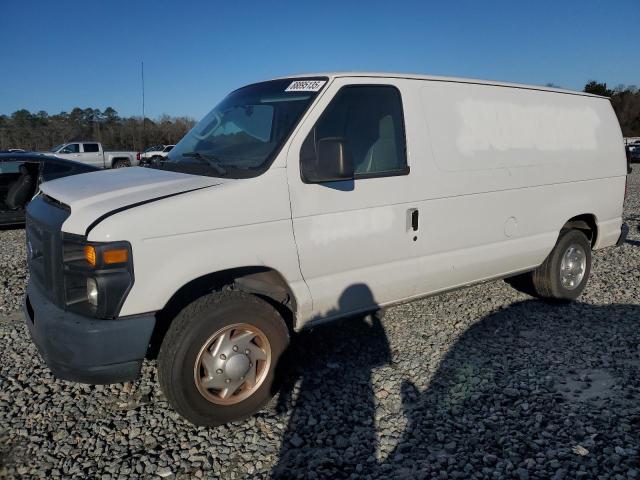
(564, 273)
(199, 354)
(121, 163)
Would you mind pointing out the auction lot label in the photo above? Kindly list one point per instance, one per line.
(305, 86)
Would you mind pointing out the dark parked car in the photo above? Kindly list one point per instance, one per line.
(20, 175)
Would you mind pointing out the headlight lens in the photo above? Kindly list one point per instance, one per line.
(97, 276)
(92, 291)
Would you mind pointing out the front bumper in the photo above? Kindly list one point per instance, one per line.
(84, 349)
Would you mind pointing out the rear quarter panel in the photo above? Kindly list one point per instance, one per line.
(561, 155)
(500, 170)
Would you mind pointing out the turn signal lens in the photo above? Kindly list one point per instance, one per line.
(90, 255)
(118, 255)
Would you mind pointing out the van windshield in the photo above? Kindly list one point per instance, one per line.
(241, 136)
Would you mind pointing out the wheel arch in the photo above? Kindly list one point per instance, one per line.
(261, 281)
(113, 160)
(586, 223)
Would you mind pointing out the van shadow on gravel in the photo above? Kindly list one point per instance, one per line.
(335, 403)
(534, 390)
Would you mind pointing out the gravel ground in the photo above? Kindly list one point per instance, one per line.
(479, 383)
(13, 269)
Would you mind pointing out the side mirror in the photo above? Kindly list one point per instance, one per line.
(331, 162)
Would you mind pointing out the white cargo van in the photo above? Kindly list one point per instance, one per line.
(301, 200)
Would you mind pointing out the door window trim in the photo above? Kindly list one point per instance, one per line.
(364, 176)
(68, 145)
(91, 143)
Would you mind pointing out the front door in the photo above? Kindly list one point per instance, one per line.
(354, 237)
(70, 152)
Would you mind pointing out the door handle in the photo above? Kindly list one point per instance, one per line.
(412, 219)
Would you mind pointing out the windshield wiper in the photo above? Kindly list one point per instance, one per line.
(210, 160)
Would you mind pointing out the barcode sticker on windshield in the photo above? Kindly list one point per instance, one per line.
(305, 86)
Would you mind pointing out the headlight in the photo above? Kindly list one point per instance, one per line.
(97, 276)
(92, 291)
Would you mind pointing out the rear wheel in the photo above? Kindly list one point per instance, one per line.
(564, 273)
(217, 360)
(121, 163)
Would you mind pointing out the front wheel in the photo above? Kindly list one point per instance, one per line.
(564, 273)
(217, 360)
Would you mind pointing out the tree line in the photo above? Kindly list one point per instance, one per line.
(41, 131)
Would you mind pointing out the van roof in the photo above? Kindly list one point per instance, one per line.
(413, 76)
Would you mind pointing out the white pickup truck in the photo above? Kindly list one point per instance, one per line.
(92, 153)
(154, 154)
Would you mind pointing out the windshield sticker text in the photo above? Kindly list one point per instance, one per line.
(305, 86)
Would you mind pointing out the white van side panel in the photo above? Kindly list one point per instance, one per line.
(486, 139)
(509, 168)
(492, 234)
(563, 137)
(236, 224)
(492, 199)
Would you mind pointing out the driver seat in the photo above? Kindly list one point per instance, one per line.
(21, 190)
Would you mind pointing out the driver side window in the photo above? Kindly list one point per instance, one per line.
(369, 120)
(71, 148)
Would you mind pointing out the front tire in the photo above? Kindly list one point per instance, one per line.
(564, 273)
(217, 360)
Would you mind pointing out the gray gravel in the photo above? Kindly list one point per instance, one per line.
(478, 383)
(13, 269)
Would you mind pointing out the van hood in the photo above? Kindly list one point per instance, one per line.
(92, 196)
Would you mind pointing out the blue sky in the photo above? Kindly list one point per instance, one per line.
(56, 55)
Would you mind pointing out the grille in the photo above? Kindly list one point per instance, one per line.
(44, 221)
(38, 249)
